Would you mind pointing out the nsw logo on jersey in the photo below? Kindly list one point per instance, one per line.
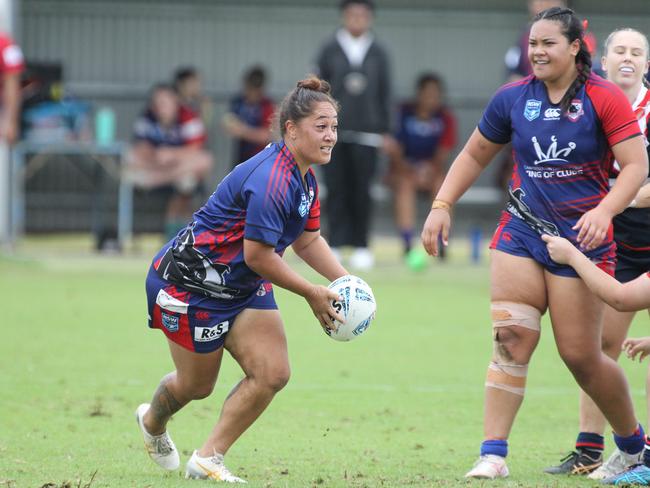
(553, 153)
(169, 322)
(532, 109)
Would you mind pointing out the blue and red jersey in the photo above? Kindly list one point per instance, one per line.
(188, 129)
(258, 115)
(264, 199)
(421, 138)
(561, 158)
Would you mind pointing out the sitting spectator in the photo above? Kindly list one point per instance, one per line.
(248, 119)
(168, 152)
(188, 86)
(426, 134)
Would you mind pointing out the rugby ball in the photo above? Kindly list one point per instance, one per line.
(357, 306)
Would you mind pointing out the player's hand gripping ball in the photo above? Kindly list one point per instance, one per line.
(357, 306)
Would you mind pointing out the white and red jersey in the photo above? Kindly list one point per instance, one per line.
(641, 108)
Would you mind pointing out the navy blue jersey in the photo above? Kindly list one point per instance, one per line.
(187, 129)
(561, 159)
(421, 138)
(256, 115)
(264, 199)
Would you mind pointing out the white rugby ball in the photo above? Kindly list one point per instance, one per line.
(357, 306)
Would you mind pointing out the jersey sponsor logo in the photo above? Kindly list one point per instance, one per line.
(575, 111)
(209, 334)
(552, 113)
(532, 109)
(553, 153)
(170, 322)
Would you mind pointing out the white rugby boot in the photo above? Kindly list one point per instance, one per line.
(212, 467)
(617, 463)
(489, 467)
(160, 448)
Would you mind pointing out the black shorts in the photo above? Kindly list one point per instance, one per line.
(631, 265)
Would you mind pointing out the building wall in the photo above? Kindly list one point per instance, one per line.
(113, 51)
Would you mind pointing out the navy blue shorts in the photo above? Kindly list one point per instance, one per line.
(514, 236)
(194, 321)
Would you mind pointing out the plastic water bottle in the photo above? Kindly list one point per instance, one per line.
(105, 126)
(475, 243)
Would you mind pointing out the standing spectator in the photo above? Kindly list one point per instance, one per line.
(357, 68)
(426, 134)
(189, 87)
(248, 119)
(168, 153)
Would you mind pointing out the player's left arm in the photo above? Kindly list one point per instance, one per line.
(633, 159)
(593, 225)
(316, 252)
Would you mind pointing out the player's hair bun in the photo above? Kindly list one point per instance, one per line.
(314, 83)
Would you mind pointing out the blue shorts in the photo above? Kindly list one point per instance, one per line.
(514, 236)
(194, 321)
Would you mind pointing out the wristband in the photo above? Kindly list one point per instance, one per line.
(441, 204)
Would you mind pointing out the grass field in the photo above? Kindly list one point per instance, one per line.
(400, 406)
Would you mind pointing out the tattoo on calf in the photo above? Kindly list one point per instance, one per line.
(164, 404)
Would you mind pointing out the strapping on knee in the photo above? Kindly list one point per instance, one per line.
(507, 377)
(505, 314)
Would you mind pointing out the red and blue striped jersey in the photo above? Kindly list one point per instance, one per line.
(561, 158)
(263, 199)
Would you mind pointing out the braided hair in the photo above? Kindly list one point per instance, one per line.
(571, 29)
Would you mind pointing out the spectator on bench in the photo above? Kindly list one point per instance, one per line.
(168, 153)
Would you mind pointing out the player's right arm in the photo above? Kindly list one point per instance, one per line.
(464, 171)
(624, 297)
(263, 259)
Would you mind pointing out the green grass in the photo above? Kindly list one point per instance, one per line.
(400, 406)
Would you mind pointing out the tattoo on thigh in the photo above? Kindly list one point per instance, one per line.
(164, 404)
